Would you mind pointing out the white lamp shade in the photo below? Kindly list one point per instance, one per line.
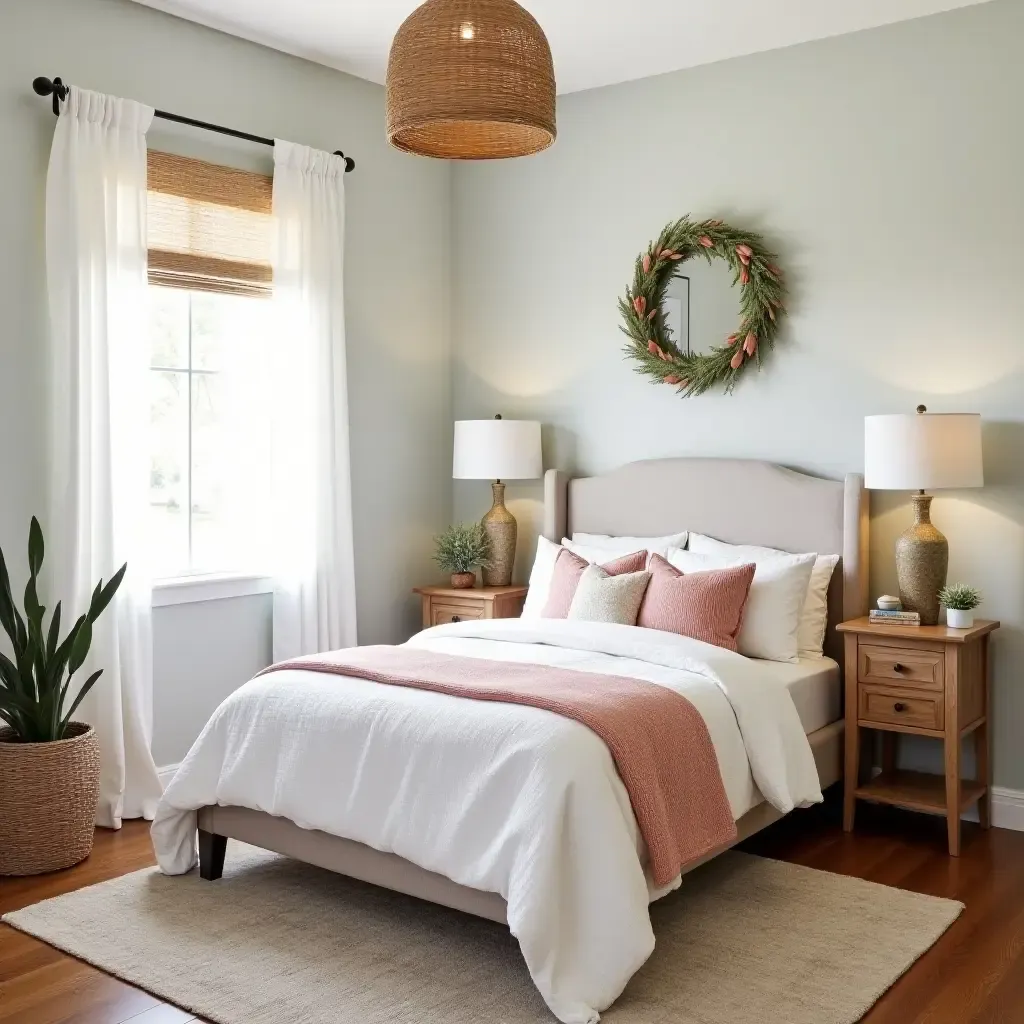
(926, 451)
(497, 450)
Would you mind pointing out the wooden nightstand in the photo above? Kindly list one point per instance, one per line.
(446, 604)
(922, 681)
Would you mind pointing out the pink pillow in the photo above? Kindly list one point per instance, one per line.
(566, 578)
(707, 606)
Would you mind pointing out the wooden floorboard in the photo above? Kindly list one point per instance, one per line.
(973, 975)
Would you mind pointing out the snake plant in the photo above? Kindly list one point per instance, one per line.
(35, 685)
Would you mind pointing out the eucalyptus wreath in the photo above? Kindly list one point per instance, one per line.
(761, 306)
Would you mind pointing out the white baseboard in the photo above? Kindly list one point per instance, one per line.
(1007, 809)
(166, 773)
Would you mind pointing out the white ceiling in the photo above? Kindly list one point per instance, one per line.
(595, 42)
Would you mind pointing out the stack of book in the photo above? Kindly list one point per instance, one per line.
(897, 618)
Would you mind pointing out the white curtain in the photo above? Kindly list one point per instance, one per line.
(311, 493)
(96, 280)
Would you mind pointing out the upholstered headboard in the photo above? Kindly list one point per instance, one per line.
(734, 500)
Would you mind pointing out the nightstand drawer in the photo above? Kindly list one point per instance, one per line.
(877, 706)
(905, 666)
(442, 612)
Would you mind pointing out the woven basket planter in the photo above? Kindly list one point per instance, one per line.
(48, 798)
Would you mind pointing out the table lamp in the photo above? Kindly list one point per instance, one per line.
(498, 450)
(927, 451)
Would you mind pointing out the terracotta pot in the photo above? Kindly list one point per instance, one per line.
(48, 798)
(463, 580)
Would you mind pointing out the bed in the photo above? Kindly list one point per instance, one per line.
(736, 501)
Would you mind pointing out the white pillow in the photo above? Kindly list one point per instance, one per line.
(540, 578)
(772, 616)
(603, 598)
(814, 617)
(627, 545)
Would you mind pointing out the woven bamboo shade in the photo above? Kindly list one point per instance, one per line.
(209, 226)
(471, 80)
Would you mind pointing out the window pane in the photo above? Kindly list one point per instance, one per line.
(212, 317)
(213, 546)
(168, 478)
(168, 327)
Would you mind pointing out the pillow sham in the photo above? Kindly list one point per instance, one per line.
(540, 578)
(772, 616)
(814, 616)
(601, 597)
(626, 545)
(569, 567)
(707, 606)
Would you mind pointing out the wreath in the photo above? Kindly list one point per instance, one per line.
(761, 305)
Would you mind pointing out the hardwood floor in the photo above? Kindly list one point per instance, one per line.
(973, 975)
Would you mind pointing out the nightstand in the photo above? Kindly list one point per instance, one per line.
(919, 681)
(446, 604)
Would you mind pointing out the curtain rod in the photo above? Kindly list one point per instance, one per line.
(59, 91)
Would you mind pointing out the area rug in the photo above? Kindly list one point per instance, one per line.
(745, 941)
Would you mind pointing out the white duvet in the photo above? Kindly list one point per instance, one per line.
(498, 797)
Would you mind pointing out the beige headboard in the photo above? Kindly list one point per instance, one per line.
(735, 500)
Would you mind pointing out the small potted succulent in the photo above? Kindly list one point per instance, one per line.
(49, 763)
(460, 549)
(960, 601)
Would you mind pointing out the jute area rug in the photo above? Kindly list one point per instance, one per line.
(745, 941)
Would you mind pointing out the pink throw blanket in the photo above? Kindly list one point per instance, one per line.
(659, 741)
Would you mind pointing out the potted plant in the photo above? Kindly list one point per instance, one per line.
(460, 549)
(960, 601)
(49, 764)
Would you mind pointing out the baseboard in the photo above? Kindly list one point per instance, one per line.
(1007, 809)
(166, 773)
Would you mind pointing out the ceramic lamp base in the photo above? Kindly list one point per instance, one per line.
(922, 559)
(500, 526)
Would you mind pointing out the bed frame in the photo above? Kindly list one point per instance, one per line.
(738, 501)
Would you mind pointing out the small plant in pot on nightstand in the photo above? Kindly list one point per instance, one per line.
(960, 601)
(49, 764)
(460, 549)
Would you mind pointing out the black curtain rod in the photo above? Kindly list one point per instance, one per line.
(59, 91)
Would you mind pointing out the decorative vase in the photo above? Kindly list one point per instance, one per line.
(500, 526)
(48, 798)
(959, 618)
(922, 559)
(463, 580)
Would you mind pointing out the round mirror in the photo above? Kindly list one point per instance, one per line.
(700, 306)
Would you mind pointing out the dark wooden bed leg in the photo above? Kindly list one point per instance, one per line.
(211, 855)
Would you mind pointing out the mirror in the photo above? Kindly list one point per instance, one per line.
(700, 306)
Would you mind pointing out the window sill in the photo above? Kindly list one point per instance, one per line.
(208, 587)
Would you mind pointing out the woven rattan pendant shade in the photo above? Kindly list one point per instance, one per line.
(471, 80)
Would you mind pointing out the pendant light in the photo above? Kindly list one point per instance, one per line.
(471, 80)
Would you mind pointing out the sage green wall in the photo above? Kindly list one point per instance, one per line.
(886, 168)
(397, 305)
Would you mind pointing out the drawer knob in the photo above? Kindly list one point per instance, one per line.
(899, 706)
(899, 668)
(456, 618)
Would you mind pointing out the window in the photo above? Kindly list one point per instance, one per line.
(208, 335)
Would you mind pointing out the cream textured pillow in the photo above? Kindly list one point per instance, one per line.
(600, 597)
(814, 617)
(772, 616)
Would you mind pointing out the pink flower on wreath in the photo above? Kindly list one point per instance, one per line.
(745, 250)
(750, 344)
(655, 349)
(640, 305)
(737, 360)
(732, 339)
(706, 242)
(653, 313)
(744, 276)
(673, 379)
(666, 254)
(647, 263)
